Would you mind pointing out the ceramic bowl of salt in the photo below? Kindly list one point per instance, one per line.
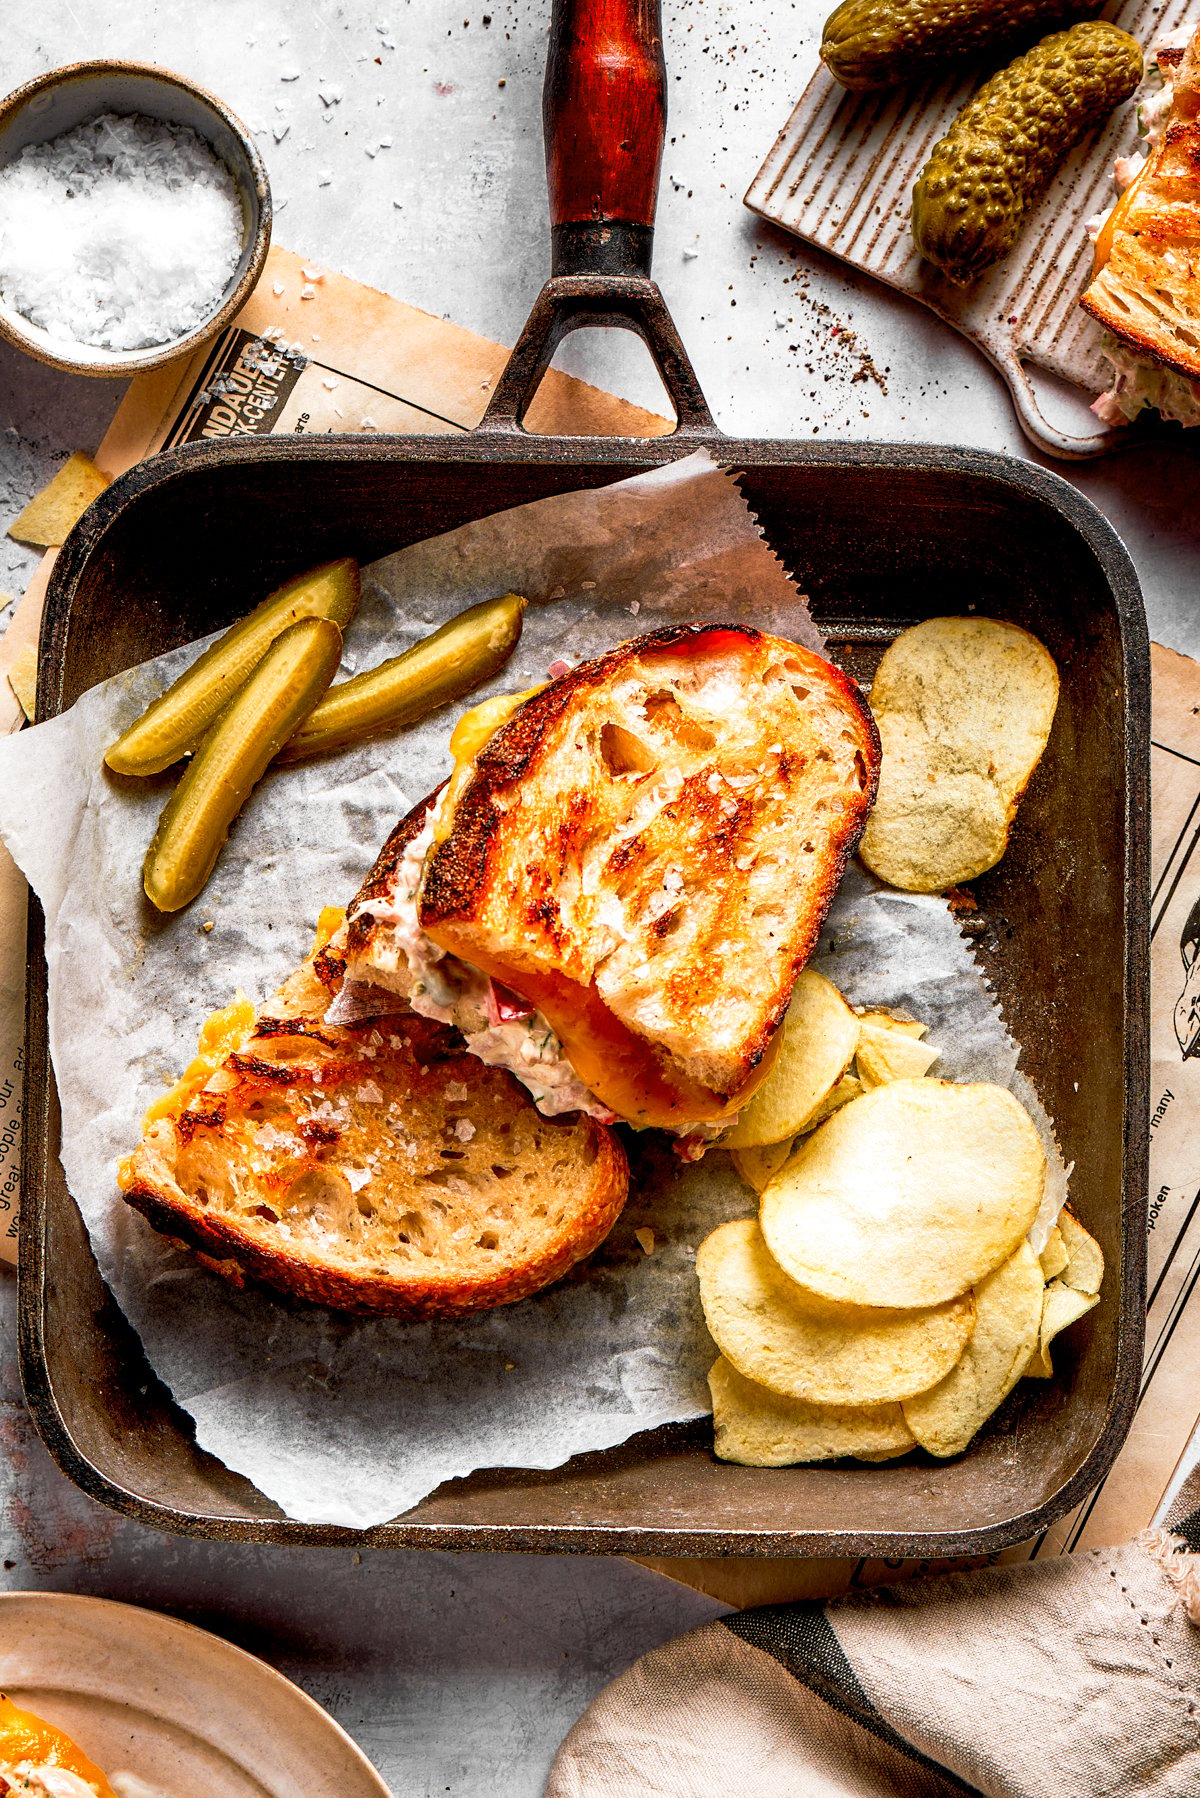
(135, 217)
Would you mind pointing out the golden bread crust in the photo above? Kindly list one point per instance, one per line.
(661, 832)
(1148, 291)
(374, 1169)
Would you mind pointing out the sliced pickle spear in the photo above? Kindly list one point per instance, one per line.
(462, 654)
(233, 758)
(177, 720)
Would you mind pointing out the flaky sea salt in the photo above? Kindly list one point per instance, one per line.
(122, 233)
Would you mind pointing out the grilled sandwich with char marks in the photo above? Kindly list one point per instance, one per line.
(1145, 286)
(374, 1167)
(633, 868)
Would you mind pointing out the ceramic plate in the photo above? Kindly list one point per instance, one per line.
(184, 1711)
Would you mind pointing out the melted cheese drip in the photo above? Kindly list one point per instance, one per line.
(227, 1030)
(1116, 220)
(474, 730)
(220, 1034)
(330, 921)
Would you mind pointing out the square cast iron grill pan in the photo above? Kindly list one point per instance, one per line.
(879, 537)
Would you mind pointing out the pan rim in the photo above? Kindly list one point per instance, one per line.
(625, 456)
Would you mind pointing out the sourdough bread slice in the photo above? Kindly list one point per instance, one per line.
(1147, 291)
(373, 1168)
(646, 851)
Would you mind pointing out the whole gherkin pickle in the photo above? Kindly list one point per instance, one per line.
(1005, 145)
(880, 43)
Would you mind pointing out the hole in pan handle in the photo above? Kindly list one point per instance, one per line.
(604, 112)
(1064, 445)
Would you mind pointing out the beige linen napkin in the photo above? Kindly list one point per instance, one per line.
(1076, 1677)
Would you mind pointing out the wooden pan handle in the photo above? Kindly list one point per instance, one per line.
(604, 114)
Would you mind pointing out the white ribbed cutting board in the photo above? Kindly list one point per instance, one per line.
(841, 176)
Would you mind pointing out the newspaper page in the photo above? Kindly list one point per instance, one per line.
(311, 351)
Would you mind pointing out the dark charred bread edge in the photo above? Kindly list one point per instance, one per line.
(457, 873)
(329, 968)
(378, 884)
(238, 1258)
(1101, 308)
(1188, 366)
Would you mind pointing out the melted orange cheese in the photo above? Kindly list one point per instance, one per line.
(1116, 220)
(24, 1737)
(473, 731)
(220, 1034)
(328, 924)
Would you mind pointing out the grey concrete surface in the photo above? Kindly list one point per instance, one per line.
(459, 1674)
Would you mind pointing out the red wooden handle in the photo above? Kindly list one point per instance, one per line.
(604, 111)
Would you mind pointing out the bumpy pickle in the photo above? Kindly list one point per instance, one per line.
(881, 43)
(1005, 145)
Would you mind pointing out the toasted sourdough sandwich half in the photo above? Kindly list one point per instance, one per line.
(617, 889)
(1146, 282)
(374, 1168)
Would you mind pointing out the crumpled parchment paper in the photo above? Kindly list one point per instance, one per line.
(347, 1421)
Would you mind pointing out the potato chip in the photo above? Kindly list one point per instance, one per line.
(885, 1021)
(802, 1346)
(22, 678)
(757, 1428)
(1008, 1313)
(759, 1166)
(885, 1054)
(1061, 1306)
(1054, 1256)
(62, 502)
(820, 1035)
(908, 1196)
(1085, 1258)
(964, 708)
(848, 1087)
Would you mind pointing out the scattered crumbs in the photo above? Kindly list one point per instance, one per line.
(635, 606)
(509, 1366)
(207, 926)
(277, 288)
(558, 668)
(329, 383)
(290, 75)
(312, 274)
(690, 254)
(587, 586)
(646, 1239)
(502, 82)
(308, 291)
(279, 132)
(325, 178)
(464, 1129)
(368, 424)
(330, 96)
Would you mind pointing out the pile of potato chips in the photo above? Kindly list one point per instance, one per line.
(887, 1296)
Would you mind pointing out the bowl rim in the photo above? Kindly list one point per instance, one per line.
(122, 363)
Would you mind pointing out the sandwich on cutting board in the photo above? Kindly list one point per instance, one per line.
(1145, 287)
(600, 917)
